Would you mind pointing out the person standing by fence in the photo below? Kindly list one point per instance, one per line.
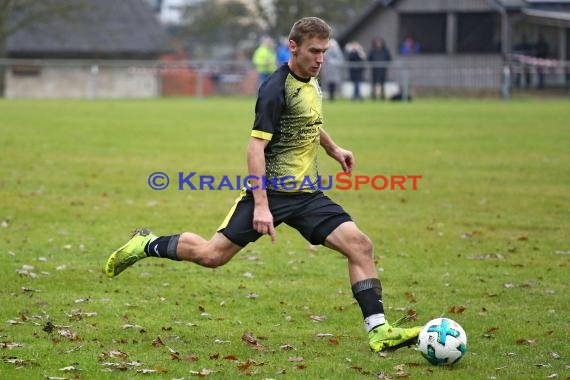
(379, 56)
(264, 59)
(356, 56)
(332, 70)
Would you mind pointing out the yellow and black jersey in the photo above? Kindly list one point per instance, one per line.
(288, 114)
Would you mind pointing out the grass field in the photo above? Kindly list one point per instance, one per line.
(483, 240)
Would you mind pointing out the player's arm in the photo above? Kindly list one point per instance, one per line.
(262, 218)
(343, 156)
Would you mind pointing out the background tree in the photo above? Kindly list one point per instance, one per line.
(279, 15)
(18, 14)
(219, 27)
(216, 28)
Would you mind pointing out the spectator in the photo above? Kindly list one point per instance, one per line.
(264, 59)
(410, 46)
(331, 71)
(541, 50)
(356, 56)
(380, 55)
(283, 52)
(523, 48)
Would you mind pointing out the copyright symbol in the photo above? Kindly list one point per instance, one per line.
(158, 181)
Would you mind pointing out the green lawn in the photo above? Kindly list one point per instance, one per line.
(483, 240)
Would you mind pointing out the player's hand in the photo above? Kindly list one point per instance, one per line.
(263, 222)
(345, 158)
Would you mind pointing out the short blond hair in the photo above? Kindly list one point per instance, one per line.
(309, 27)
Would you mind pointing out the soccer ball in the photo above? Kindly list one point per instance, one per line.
(442, 341)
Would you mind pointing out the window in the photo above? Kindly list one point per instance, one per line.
(26, 70)
(428, 29)
(478, 33)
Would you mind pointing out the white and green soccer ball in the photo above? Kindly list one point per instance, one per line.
(442, 341)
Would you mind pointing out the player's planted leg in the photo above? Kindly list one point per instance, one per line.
(389, 338)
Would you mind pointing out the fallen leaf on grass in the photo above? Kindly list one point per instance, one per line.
(10, 345)
(456, 309)
(360, 370)
(147, 371)
(77, 314)
(248, 364)
(129, 326)
(488, 256)
(527, 342)
(203, 373)
(30, 290)
(467, 235)
(49, 327)
(286, 347)
(122, 366)
(317, 318)
(69, 368)
(117, 354)
(400, 371)
(67, 333)
(295, 359)
(116, 366)
(18, 362)
(250, 339)
(383, 376)
(554, 355)
(157, 342)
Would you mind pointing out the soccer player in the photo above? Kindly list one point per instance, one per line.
(283, 146)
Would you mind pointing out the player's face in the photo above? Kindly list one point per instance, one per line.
(307, 58)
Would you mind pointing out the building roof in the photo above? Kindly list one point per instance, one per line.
(554, 18)
(92, 29)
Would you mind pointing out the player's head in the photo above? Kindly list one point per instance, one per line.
(309, 27)
(308, 42)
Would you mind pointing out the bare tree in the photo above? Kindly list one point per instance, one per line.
(281, 14)
(239, 23)
(18, 14)
(213, 25)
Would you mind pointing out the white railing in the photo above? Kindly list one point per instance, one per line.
(91, 79)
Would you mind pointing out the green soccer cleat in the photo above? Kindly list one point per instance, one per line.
(128, 254)
(389, 338)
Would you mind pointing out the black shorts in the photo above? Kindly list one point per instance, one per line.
(314, 215)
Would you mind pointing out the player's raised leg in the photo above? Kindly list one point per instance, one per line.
(367, 289)
(186, 246)
(129, 253)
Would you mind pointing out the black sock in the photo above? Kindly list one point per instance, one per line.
(368, 294)
(163, 246)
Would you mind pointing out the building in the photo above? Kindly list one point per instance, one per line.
(88, 51)
(467, 43)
